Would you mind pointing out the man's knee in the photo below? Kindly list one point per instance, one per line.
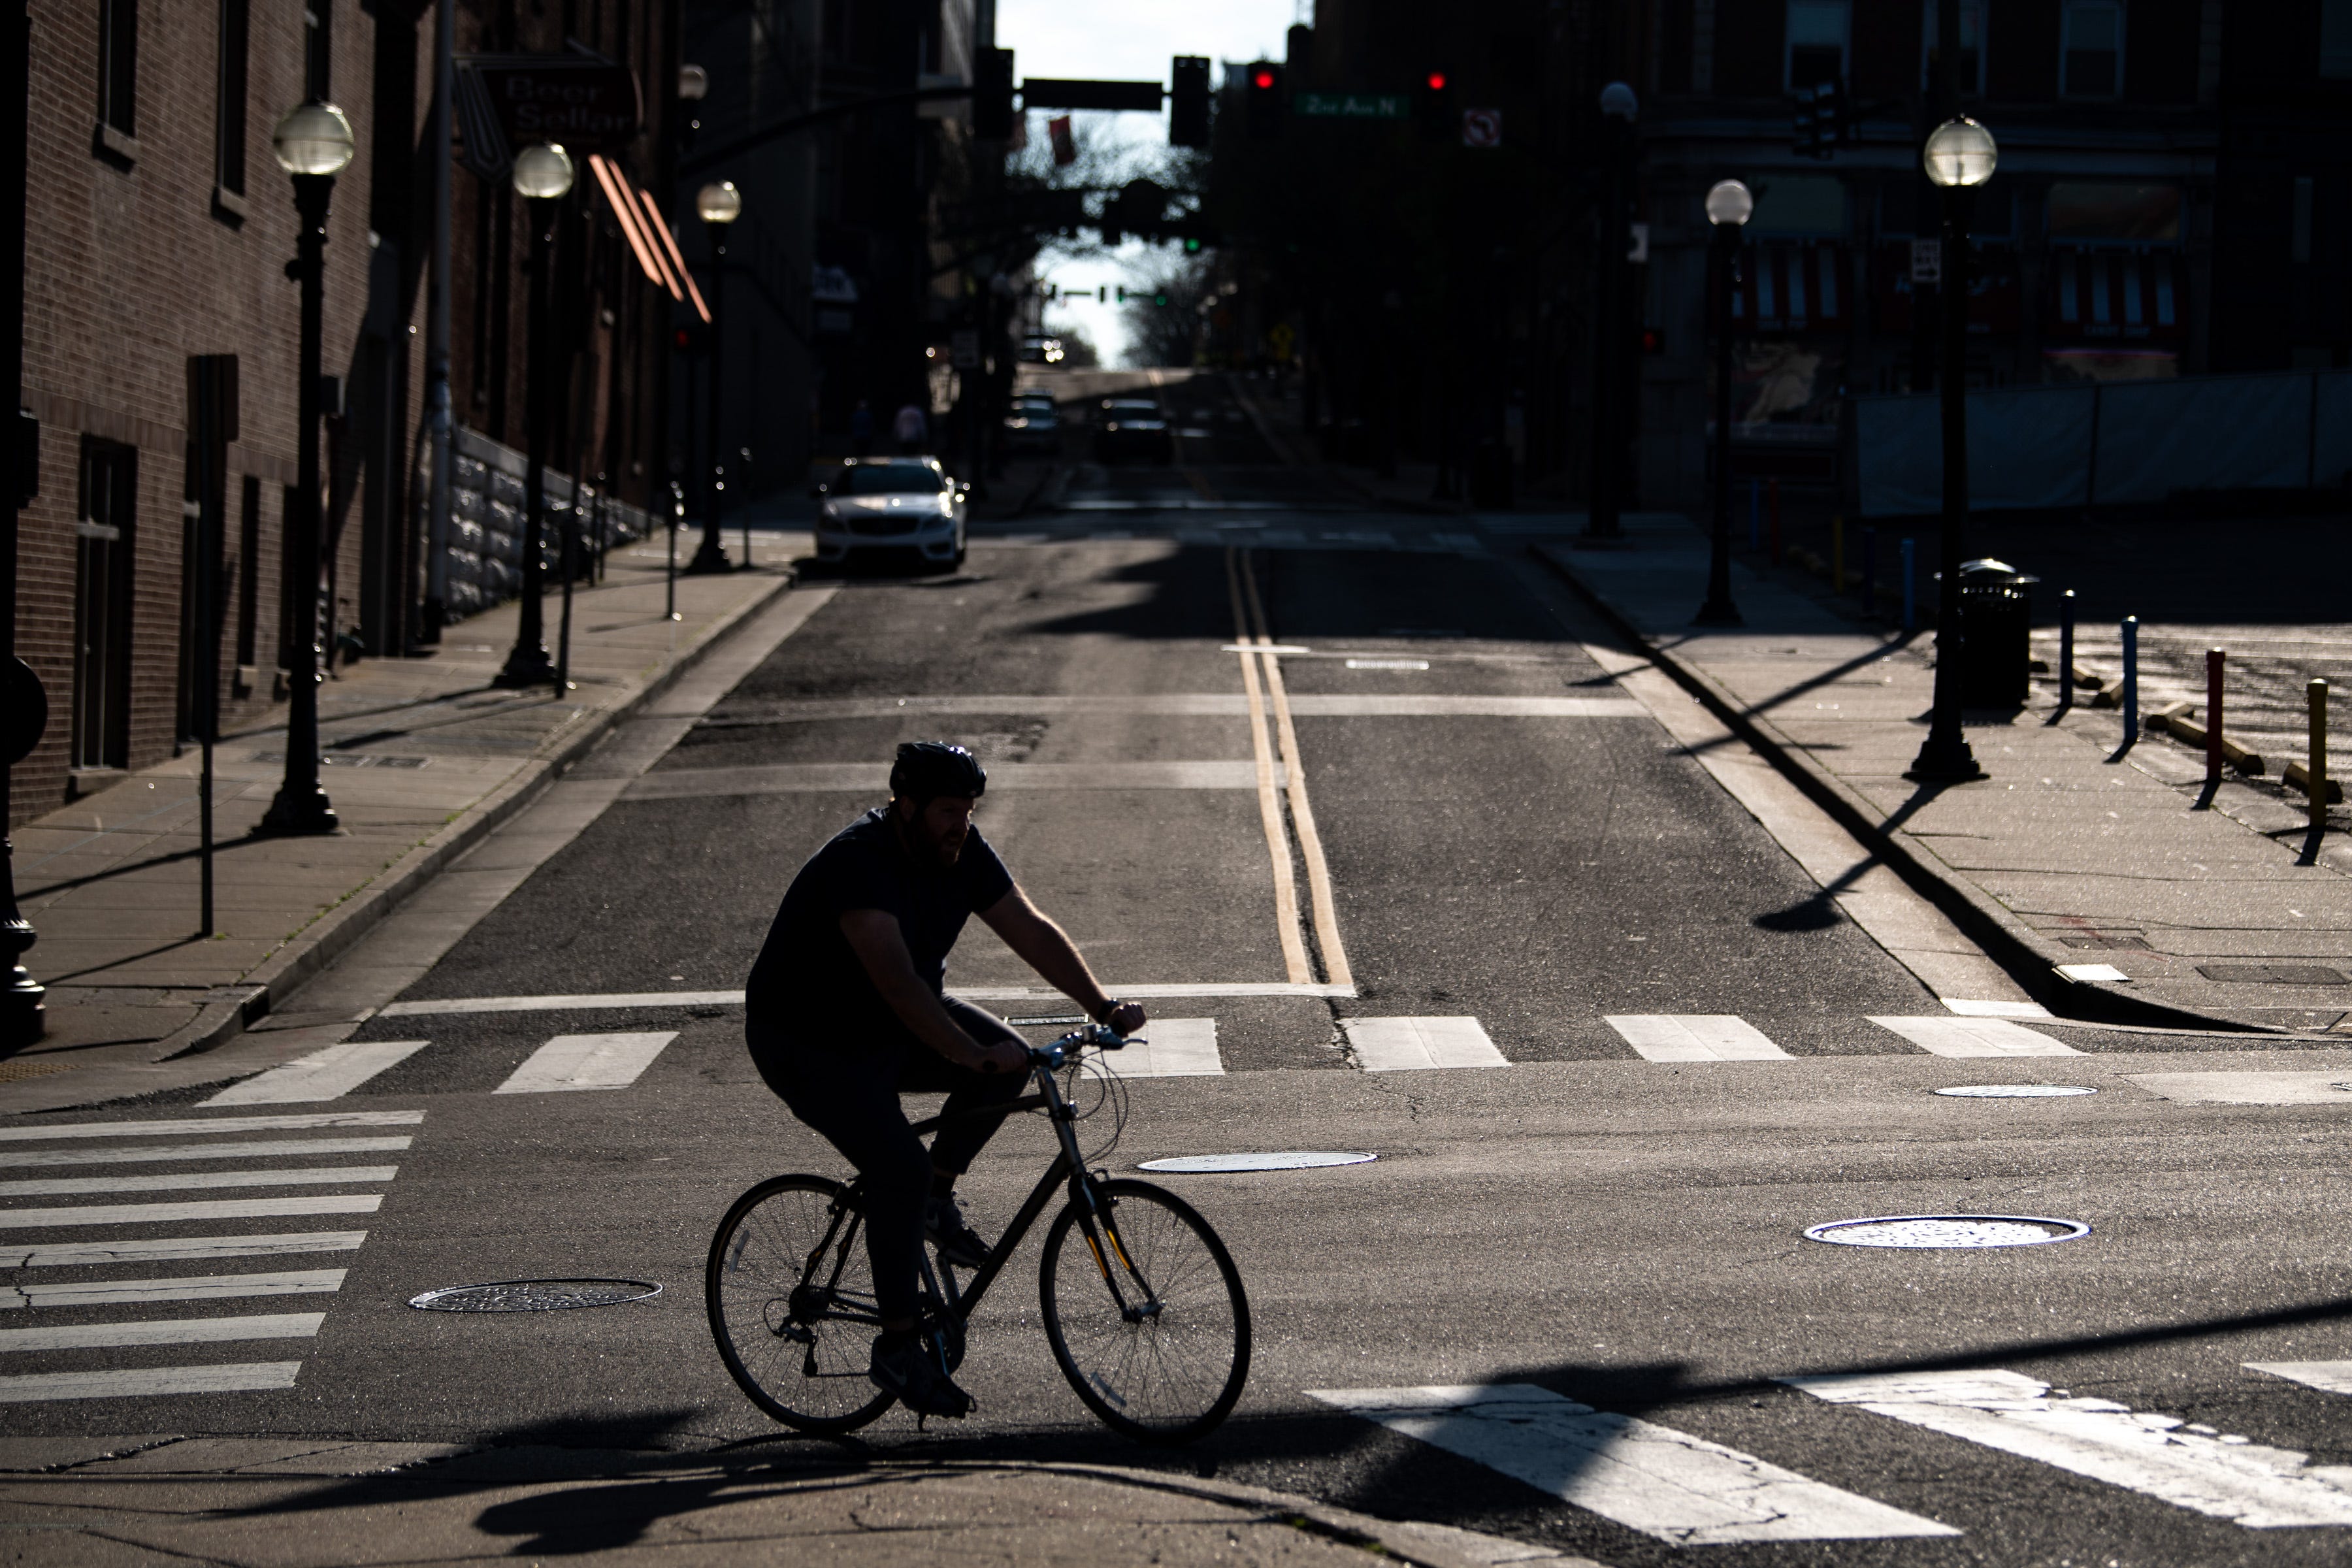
(899, 1173)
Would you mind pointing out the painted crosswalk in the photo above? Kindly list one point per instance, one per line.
(1408, 1044)
(1948, 1036)
(329, 1074)
(1174, 1047)
(1699, 1037)
(587, 1061)
(108, 1285)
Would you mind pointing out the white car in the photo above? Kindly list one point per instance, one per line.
(908, 507)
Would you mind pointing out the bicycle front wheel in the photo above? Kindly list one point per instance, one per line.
(790, 1298)
(1145, 1311)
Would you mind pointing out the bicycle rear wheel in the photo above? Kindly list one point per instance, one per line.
(791, 1299)
(1144, 1313)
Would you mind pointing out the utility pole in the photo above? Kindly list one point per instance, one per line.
(21, 1020)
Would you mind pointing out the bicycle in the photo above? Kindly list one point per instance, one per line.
(1148, 1320)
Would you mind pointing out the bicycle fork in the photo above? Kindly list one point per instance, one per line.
(1096, 1223)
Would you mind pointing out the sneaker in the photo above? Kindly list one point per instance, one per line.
(944, 1227)
(906, 1371)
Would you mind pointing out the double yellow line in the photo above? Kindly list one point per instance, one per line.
(1251, 638)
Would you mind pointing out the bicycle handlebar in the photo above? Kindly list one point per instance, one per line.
(1101, 1035)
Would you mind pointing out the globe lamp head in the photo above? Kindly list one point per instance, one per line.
(1960, 153)
(718, 202)
(313, 138)
(1729, 202)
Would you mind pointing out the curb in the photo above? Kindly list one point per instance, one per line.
(2004, 940)
(337, 929)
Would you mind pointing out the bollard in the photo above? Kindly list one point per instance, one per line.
(1837, 554)
(2316, 765)
(1910, 588)
(2213, 660)
(1869, 570)
(2065, 650)
(2131, 679)
(1755, 514)
(1772, 504)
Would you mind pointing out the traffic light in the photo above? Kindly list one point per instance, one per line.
(1654, 341)
(1265, 101)
(1433, 107)
(991, 95)
(1188, 103)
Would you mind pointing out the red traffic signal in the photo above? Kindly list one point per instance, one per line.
(1265, 101)
(1654, 341)
(1262, 78)
(1437, 81)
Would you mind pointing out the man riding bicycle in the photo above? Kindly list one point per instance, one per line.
(845, 1010)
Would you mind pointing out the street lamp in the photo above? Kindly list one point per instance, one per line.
(1619, 107)
(1729, 207)
(542, 177)
(1959, 157)
(313, 143)
(717, 203)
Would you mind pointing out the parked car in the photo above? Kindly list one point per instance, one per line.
(910, 507)
(1133, 428)
(1033, 425)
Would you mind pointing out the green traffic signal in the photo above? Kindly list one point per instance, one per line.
(1192, 245)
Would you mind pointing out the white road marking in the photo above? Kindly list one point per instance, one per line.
(1183, 705)
(329, 1074)
(149, 1381)
(1404, 1044)
(259, 1148)
(2105, 972)
(1694, 1037)
(2248, 1087)
(2327, 1376)
(598, 1002)
(183, 1181)
(80, 1254)
(1436, 705)
(587, 1061)
(1968, 1009)
(2257, 1487)
(1175, 1047)
(866, 778)
(225, 1124)
(163, 1331)
(1677, 1488)
(193, 1287)
(176, 1213)
(1975, 1038)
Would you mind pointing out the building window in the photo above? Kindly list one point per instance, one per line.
(2335, 38)
(2092, 49)
(1972, 65)
(229, 91)
(1817, 39)
(102, 547)
(118, 65)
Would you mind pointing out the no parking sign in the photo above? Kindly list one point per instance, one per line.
(1482, 128)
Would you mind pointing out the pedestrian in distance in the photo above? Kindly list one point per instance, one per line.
(845, 1010)
(912, 429)
(861, 429)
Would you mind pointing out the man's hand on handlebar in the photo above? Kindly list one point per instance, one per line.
(1126, 1018)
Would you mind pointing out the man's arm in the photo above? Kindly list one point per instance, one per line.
(874, 935)
(1047, 949)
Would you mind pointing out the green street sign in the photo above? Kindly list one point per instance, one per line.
(1352, 105)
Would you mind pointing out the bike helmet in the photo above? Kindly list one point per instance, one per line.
(925, 770)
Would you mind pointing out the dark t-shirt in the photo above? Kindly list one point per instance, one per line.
(809, 977)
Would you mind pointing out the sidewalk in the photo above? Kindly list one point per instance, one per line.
(2076, 852)
(423, 757)
(94, 1502)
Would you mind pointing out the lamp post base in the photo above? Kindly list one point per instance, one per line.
(1945, 759)
(708, 561)
(23, 1020)
(1717, 613)
(299, 810)
(528, 665)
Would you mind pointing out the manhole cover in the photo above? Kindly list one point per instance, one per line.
(2014, 1090)
(534, 1295)
(2273, 974)
(1200, 1165)
(1926, 1230)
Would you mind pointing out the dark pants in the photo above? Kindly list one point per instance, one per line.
(847, 1089)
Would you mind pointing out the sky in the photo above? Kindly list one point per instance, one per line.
(1128, 40)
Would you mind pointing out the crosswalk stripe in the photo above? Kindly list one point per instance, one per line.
(1694, 1037)
(183, 1181)
(1948, 1036)
(2327, 1376)
(174, 1214)
(329, 1074)
(259, 1149)
(1671, 1485)
(1406, 1044)
(2257, 1487)
(1177, 1047)
(81, 1253)
(149, 1381)
(193, 1287)
(587, 1061)
(226, 1124)
(163, 1331)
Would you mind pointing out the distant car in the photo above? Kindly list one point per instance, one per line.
(1033, 425)
(906, 506)
(1129, 429)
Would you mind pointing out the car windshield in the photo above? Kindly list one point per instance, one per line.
(1134, 408)
(888, 479)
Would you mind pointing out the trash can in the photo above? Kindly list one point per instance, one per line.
(1996, 634)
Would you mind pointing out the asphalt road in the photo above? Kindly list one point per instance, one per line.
(1617, 1232)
